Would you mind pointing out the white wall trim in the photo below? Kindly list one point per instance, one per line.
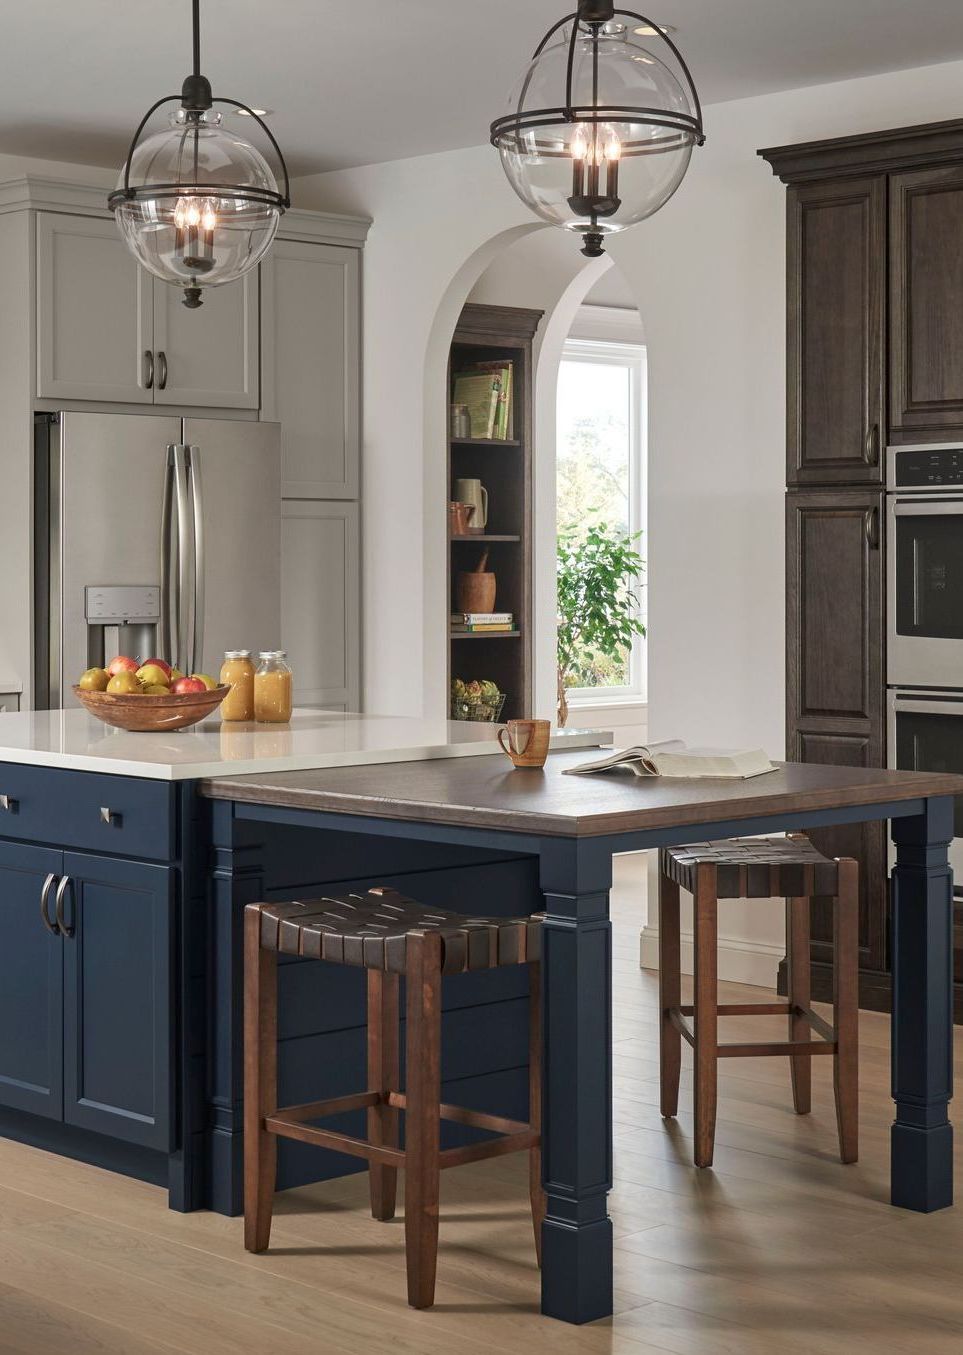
(61, 195)
(740, 960)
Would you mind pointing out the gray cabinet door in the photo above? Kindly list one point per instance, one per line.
(311, 365)
(94, 313)
(321, 602)
(207, 357)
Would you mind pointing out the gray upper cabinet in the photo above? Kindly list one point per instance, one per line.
(321, 602)
(207, 357)
(311, 365)
(95, 310)
(109, 332)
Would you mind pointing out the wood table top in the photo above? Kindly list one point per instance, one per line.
(490, 793)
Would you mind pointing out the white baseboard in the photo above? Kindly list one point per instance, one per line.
(740, 960)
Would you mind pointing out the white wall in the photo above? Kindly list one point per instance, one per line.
(707, 274)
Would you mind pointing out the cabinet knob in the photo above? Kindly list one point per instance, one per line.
(109, 816)
(8, 804)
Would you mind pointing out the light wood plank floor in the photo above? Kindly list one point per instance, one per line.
(778, 1249)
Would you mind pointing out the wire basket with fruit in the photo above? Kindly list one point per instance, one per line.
(147, 698)
(481, 702)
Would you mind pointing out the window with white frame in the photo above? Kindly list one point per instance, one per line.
(601, 422)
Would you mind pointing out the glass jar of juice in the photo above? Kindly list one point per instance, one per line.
(237, 672)
(273, 696)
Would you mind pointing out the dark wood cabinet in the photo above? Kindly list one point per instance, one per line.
(875, 357)
(926, 325)
(834, 685)
(834, 613)
(836, 409)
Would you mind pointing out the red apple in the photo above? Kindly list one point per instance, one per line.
(122, 665)
(186, 686)
(159, 663)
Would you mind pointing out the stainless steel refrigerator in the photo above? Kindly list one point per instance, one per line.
(155, 536)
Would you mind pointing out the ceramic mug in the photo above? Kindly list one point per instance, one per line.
(527, 741)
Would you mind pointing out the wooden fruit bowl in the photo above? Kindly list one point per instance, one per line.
(151, 714)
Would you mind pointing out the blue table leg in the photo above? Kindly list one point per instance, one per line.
(922, 1138)
(577, 1123)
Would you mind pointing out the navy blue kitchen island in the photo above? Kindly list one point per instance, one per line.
(121, 899)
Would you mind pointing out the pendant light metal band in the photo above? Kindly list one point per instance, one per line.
(511, 124)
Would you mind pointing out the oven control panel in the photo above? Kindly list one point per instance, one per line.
(920, 467)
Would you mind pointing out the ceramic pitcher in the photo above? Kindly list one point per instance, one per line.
(475, 493)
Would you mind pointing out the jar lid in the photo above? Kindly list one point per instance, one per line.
(237, 653)
(272, 654)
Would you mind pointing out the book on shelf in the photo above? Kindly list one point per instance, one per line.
(498, 628)
(480, 618)
(672, 757)
(504, 418)
(480, 392)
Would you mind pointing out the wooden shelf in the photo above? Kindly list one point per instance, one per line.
(485, 442)
(486, 634)
(485, 536)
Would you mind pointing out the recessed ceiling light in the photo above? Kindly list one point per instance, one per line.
(648, 31)
(258, 112)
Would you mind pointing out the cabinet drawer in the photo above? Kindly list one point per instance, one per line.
(70, 809)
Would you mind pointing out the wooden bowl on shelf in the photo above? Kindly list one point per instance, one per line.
(151, 714)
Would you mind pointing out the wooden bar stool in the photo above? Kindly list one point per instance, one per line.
(390, 936)
(752, 868)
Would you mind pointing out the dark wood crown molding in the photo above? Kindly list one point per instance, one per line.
(506, 322)
(932, 143)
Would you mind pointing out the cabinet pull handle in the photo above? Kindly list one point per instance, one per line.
(872, 528)
(44, 898)
(109, 816)
(65, 930)
(9, 805)
(162, 370)
(872, 445)
(148, 369)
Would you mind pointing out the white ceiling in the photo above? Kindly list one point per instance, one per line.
(363, 81)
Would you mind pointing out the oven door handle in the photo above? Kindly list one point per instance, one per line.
(928, 508)
(923, 706)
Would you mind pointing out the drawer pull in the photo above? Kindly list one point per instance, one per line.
(9, 805)
(65, 930)
(109, 816)
(44, 898)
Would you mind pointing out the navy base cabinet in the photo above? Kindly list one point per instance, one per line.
(87, 991)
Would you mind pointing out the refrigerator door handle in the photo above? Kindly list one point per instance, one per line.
(168, 584)
(182, 656)
(197, 502)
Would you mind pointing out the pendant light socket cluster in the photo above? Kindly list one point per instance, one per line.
(197, 204)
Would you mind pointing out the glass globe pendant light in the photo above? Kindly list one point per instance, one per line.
(197, 204)
(600, 130)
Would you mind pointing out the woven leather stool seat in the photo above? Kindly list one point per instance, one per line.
(372, 931)
(754, 867)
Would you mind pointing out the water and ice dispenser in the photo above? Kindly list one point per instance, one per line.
(121, 619)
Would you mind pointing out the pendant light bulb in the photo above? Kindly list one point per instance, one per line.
(198, 205)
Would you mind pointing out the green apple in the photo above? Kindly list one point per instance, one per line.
(124, 683)
(207, 680)
(152, 675)
(94, 680)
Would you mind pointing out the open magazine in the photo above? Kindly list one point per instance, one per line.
(673, 758)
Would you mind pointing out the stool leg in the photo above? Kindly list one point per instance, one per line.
(797, 946)
(670, 994)
(536, 1193)
(706, 1006)
(384, 1075)
(260, 1084)
(422, 1115)
(846, 1009)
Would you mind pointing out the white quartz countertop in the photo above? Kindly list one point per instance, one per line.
(74, 740)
